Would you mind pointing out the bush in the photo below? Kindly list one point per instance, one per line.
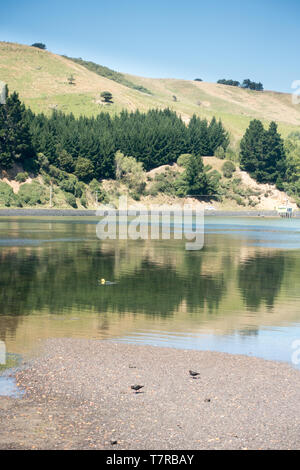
(32, 194)
(7, 196)
(56, 173)
(164, 183)
(136, 196)
(220, 153)
(130, 172)
(228, 169)
(232, 155)
(68, 184)
(84, 169)
(183, 159)
(238, 199)
(106, 96)
(83, 201)
(95, 186)
(66, 161)
(79, 189)
(71, 199)
(22, 177)
(237, 181)
(43, 161)
(39, 45)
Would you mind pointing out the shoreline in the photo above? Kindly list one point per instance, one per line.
(78, 396)
(93, 213)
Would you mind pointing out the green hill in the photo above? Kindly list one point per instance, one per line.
(41, 79)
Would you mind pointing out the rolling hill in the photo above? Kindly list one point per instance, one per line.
(41, 79)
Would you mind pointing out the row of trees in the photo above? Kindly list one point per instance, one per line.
(154, 138)
(223, 81)
(87, 146)
(61, 145)
(257, 86)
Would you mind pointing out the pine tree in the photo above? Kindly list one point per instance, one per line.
(15, 139)
(275, 158)
(252, 149)
(262, 153)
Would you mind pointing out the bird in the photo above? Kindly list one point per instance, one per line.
(137, 388)
(104, 282)
(193, 374)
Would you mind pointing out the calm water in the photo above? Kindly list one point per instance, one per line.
(239, 294)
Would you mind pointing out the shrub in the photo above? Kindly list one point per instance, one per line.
(106, 96)
(32, 194)
(22, 177)
(220, 153)
(237, 181)
(164, 183)
(68, 184)
(79, 189)
(43, 161)
(7, 196)
(130, 172)
(71, 199)
(83, 201)
(84, 169)
(46, 179)
(228, 169)
(136, 196)
(232, 155)
(39, 45)
(95, 186)
(238, 199)
(55, 173)
(66, 161)
(252, 203)
(183, 159)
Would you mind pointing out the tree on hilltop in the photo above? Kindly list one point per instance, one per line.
(107, 96)
(39, 45)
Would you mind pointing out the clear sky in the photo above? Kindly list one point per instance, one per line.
(256, 39)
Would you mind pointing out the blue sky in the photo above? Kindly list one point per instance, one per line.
(167, 38)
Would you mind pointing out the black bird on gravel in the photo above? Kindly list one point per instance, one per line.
(194, 374)
(137, 387)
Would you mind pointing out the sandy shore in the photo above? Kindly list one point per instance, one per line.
(78, 396)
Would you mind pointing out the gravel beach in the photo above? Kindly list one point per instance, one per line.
(79, 396)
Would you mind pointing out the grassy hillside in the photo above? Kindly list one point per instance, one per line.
(41, 79)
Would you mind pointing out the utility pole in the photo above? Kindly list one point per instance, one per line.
(96, 197)
(51, 190)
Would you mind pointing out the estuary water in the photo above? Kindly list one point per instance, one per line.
(239, 294)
